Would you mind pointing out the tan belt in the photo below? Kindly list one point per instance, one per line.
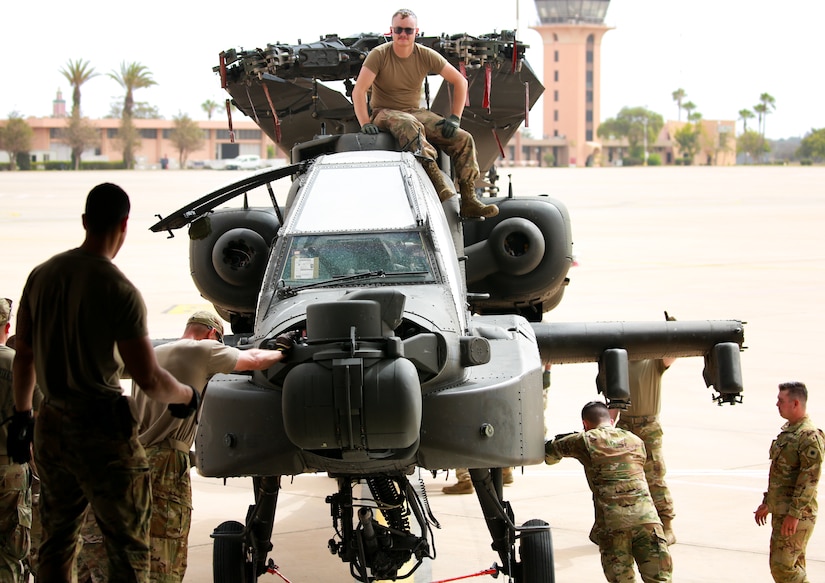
(639, 418)
(175, 444)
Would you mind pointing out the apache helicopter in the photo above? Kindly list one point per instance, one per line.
(422, 336)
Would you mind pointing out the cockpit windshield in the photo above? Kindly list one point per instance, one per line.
(401, 256)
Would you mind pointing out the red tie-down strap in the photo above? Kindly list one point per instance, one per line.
(229, 117)
(488, 81)
(462, 68)
(274, 115)
(498, 141)
(222, 63)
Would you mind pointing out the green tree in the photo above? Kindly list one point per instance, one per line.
(678, 96)
(813, 145)
(688, 139)
(752, 144)
(186, 137)
(16, 138)
(131, 77)
(209, 106)
(635, 124)
(77, 73)
(745, 115)
(80, 135)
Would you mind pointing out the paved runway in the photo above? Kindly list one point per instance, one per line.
(702, 243)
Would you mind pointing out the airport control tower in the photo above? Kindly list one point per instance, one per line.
(572, 32)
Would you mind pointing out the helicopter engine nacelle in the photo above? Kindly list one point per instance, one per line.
(517, 262)
(228, 253)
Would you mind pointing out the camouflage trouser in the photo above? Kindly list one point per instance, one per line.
(92, 562)
(169, 526)
(649, 430)
(645, 545)
(15, 520)
(417, 132)
(91, 456)
(171, 513)
(787, 555)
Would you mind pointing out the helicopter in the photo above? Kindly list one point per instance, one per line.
(422, 336)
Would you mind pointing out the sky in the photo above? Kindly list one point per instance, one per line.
(723, 53)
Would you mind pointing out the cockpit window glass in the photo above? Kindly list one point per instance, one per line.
(350, 198)
(401, 256)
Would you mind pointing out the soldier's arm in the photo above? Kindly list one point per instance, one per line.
(258, 359)
(810, 468)
(359, 95)
(561, 446)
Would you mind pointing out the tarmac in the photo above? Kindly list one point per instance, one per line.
(742, 243)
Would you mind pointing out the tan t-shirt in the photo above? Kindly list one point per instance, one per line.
(81, 305)
(645, 387)
(192, 362)
(398, 81)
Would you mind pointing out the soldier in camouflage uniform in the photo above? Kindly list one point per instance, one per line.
(796, 464)
(194, 359)
(614, 460)
(78, 317)
(394, 73)
(15, 479)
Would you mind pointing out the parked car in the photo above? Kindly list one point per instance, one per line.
(247, 162)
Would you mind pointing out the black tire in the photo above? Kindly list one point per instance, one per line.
(536, 550)
(228, 557)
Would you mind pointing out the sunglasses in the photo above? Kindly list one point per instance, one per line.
(406, 30)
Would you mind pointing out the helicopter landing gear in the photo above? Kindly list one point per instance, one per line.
(229, 558)
(536, 552)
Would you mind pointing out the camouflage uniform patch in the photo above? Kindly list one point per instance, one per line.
(417, 132)
(15, 520)
(651, 433)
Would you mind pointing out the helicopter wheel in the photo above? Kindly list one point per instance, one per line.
(229, 564)
(537, 555)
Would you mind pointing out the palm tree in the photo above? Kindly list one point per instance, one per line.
(77, 73)
(131, 76)
(209, 106)
(769, 102)
(678, 96)
(745, 115)
(689, 107)
(760, 109)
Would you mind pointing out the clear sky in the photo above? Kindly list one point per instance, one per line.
(723, 53)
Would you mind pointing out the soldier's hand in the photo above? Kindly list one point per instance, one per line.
(287, 340)
(449, 126)
(370, 128)
(181, 410)
(761, 514)
(20, 436)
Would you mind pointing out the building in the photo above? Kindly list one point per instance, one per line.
(572, 33)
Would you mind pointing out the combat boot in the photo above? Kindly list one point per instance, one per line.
(463, 486)
(507, 476)
(668, 528)
(444, 190)
(471, 207)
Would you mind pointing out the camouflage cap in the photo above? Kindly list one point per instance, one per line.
(5, 310)
(207, 319)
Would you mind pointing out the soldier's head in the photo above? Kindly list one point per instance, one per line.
(792, 400)
(5, 318)
(595, 414)
(203, 325)
(404, 25)
(105, 218)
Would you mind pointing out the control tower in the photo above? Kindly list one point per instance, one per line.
(572, 32)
